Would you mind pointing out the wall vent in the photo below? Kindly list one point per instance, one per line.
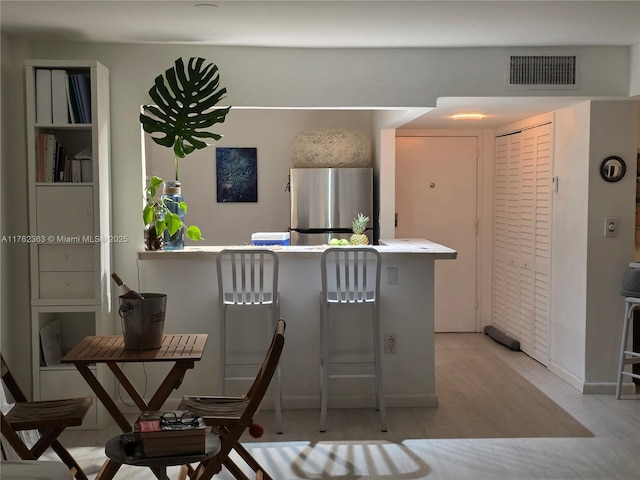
(551, 71)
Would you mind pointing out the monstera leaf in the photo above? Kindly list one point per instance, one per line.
(184, 98)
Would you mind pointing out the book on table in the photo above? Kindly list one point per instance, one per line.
(173, 432)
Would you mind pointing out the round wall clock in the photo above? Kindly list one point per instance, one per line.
(612, 168)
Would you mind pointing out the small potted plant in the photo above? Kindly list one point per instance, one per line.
(159, 215)
(184, 98)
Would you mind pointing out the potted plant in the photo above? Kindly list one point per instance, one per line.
(159, 216)
(184, 98)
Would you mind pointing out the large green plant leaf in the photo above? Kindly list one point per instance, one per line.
(183, 101)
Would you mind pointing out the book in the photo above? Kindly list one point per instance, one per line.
(43, 96)
(74, 114)
(75, 88)
(50, 148)
(67, 168)
(41, 142)
(86, 158)
(50, 342)
(59, 102)
(84, 83)
(81, 87)
(76, 170)
(58, 173)
(177, 432)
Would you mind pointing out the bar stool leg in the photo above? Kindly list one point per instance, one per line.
(223, 349)
(630, 307)
(324, 365)
(377, 353)
(277, 379)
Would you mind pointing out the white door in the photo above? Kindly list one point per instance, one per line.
(436, 184)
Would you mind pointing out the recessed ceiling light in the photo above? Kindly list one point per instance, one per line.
(468, 116)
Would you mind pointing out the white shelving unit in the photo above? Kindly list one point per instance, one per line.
(70, 237)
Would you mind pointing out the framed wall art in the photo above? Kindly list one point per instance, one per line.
(237, 174)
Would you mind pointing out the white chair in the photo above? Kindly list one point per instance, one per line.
(248, 279)
(350, 276)
(627, 357)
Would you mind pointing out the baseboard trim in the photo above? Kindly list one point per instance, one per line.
(567, 376)
(590, 388)
(608, 388)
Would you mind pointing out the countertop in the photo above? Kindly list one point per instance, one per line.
(386, 246)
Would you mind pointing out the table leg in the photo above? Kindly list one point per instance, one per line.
(171, 382)
(104, 397)
(128, 386)
(160, 473)
(108, 470)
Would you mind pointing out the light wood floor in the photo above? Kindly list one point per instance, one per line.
(604, 441)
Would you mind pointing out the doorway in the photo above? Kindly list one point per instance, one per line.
(436, 199)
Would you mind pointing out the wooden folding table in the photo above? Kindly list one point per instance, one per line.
(182, 349)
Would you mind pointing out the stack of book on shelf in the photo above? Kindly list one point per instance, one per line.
(55, 165)
(176, 432)
(62, 97)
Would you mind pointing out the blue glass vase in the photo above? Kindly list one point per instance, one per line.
(172, 198)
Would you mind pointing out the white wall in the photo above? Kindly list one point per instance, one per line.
(634, 70)
(587, 268)
(613, 132)
(14, 272)
(569, 243)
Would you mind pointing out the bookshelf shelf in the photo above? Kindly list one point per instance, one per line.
(69, 204)
(65, 126)
(64, 184)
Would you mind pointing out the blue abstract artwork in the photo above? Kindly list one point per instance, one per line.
(237, 174)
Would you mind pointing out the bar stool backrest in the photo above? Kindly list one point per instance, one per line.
(247, 276)
(350, 275)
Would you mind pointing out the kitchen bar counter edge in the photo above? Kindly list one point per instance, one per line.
(396, 245)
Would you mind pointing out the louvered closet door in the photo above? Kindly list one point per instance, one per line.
(527, 238)
(542, 243)
(522, 241)
(507, 235)
(501, 221)
(514, 202)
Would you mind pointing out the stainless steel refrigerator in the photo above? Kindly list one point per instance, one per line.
(324, 202)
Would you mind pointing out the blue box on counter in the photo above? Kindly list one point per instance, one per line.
(271, 238)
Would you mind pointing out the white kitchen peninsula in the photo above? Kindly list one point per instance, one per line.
(188, 277)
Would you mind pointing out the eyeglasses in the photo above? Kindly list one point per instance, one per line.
(171, 421)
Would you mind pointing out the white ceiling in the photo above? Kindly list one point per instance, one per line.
(342, 24)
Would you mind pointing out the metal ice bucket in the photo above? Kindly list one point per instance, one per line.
(143, 321)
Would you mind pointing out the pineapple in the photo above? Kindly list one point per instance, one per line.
(359, 224)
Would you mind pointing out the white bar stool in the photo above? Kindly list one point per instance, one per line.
(627, 357)
(350, 276)
(248, 279)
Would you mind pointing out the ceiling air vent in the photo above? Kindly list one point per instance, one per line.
(551, 71)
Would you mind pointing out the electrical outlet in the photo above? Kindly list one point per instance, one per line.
(611, 226)
(392, 276)
(390, 343)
